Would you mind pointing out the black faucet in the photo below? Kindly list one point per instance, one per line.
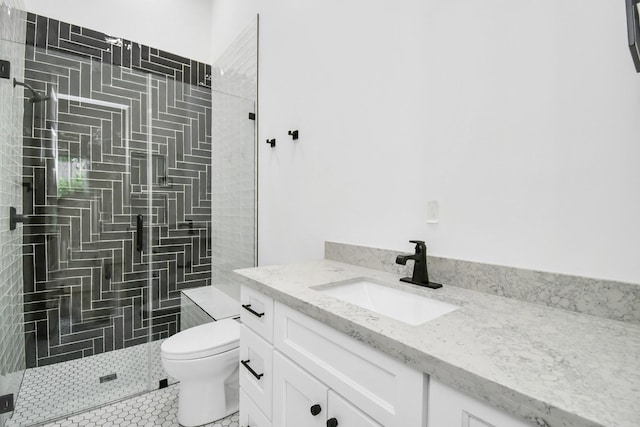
(420, 273)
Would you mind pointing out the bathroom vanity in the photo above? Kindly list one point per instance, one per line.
(310, 373)
(311, 358)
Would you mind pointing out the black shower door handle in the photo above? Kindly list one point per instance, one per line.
(139, 233)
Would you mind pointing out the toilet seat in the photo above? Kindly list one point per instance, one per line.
(202, 341)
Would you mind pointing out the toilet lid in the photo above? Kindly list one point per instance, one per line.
(202, 341)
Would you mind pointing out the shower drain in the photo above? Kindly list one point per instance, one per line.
(107, 378)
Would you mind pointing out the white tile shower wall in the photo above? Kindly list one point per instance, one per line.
(12, 17)
(234, 95)
(12, 358)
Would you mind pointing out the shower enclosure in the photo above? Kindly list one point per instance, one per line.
(110, 175)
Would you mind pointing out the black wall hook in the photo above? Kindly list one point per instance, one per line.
(271, 142)
(294, 134)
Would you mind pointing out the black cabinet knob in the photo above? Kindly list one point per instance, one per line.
(315, 409)
(332, 422)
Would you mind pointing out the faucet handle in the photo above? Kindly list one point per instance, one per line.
(417, 242)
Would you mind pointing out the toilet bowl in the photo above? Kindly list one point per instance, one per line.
(205, 361)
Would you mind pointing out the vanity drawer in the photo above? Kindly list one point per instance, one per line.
(250, 414)
(257, 312)
(256, 369)
(382, 387)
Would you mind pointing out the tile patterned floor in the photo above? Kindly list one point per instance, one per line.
(59, 390)
(158, 408)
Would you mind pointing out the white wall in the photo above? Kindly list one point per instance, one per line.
(182, 27)
(521, 118)
(228, 19)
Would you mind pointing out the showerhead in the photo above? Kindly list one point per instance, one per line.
(35, 96)
(39, 98)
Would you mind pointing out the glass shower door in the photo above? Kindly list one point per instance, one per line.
(181, 169)
(87, 257)
(113, 185)
(234, 189)
(12, 358)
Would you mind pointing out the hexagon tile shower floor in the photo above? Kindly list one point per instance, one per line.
(158, 408)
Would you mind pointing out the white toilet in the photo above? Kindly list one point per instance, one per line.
(205, 361)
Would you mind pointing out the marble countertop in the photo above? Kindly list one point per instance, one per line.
(552, 367)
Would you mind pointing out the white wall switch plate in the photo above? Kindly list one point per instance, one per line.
(433, 212)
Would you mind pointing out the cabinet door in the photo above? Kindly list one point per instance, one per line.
(346, 414)
(256, 372)
(250, 414)
(387, 390)
(452, 408)
(295, 395)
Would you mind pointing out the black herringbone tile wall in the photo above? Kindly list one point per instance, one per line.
(85, 181)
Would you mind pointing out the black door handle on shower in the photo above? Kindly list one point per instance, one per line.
(245, 363)
(139, 233)
(15, 218)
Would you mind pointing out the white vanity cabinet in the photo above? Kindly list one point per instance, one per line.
(299, 399)
(452, 408)
(256, 358)
(299, 366)
(299, 372)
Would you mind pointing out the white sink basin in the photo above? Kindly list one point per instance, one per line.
(406, 307)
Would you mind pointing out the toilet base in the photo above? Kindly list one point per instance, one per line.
(200, 402)
(209, 379)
